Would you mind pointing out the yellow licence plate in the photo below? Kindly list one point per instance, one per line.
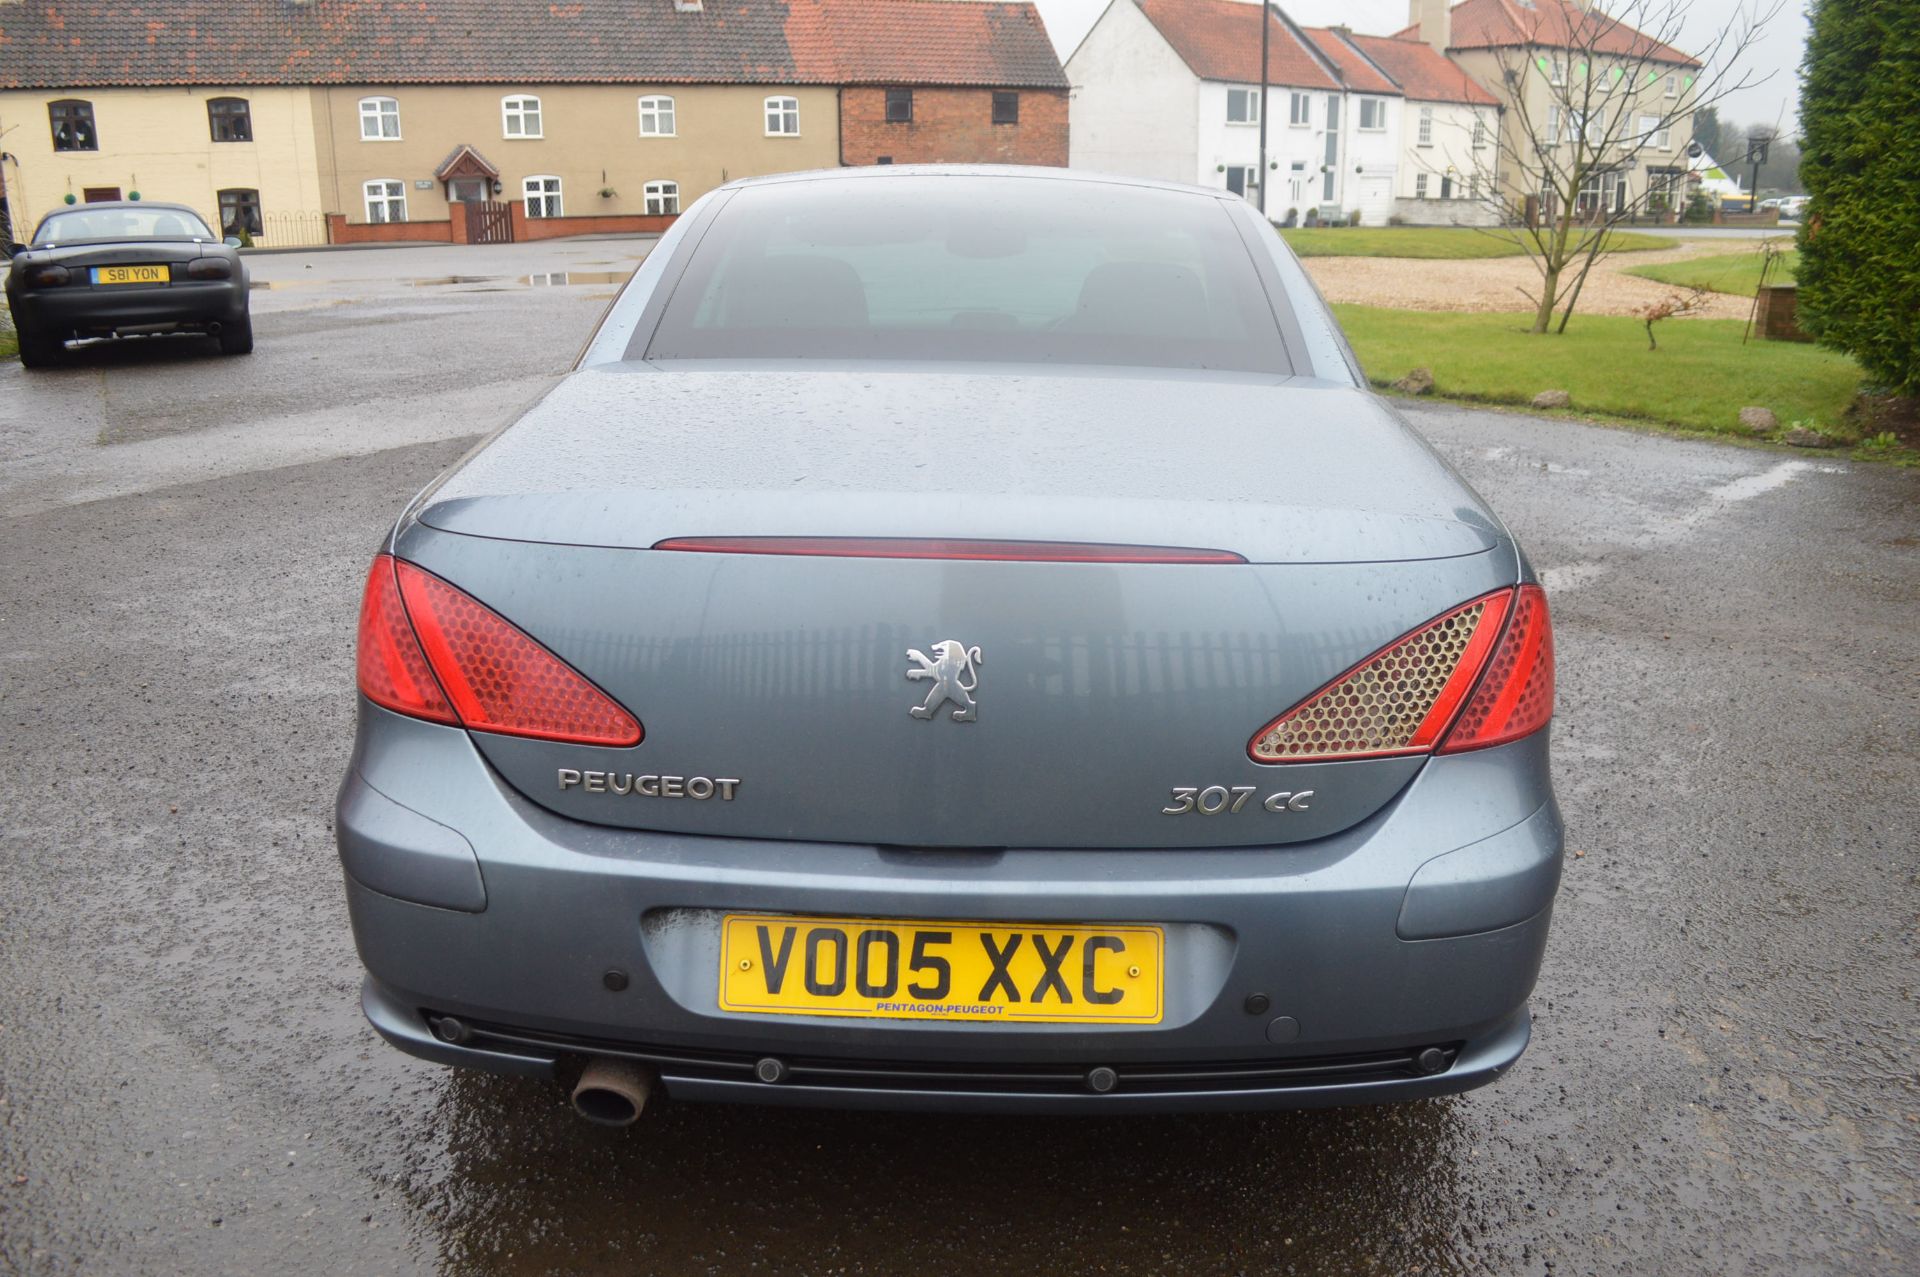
(978, 972)
(132, 275)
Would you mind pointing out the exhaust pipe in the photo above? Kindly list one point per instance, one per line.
(612, 1092)
(213, 329)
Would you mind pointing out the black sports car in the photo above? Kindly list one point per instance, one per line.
(122, 268)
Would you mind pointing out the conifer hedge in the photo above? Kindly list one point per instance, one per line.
(1859, 266)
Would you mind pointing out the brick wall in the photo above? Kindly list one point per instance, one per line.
(341, 231)
(526, 228)
(953, 126)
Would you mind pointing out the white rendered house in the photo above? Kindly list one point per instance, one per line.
(1378, 125)
(1170, 89)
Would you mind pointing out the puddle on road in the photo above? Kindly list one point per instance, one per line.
(564, 278)
(539, 279)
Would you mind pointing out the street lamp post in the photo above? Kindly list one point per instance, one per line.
(1260, 173)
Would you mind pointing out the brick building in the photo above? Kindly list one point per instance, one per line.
(349, 121)
(936, 81)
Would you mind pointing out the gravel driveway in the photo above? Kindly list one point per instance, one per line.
(1502, 283)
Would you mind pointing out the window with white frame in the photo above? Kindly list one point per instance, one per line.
(1373, 115)
(656, 117)
(1243, 179)
(1673, 86)
(543, 195)
(520, 116)
(379, 120)
(1596, 129)
(1558, 73)
(1243, 106)
(783, 117)
(1419, 186)
(1426, 126)
(1300, 110)
(1655, 134)
(386, 200)
(1479, 132)
(663, 197)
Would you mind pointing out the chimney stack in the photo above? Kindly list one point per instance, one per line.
(1434, 18)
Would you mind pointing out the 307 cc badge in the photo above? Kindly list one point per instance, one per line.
(1215, 799)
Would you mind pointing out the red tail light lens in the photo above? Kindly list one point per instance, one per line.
(1516, 696)
(1397, 701)
(392, 669)
(49, 276)
(209, 268)
(495, 677)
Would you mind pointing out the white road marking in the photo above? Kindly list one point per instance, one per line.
(1716, 500)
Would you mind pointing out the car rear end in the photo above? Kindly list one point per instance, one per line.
(956, 738)
(59, 290)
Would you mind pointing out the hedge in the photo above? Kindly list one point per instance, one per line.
(1859, 266)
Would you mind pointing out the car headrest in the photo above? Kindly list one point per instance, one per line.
(795, 290)
(168, 224)
(1142, 299)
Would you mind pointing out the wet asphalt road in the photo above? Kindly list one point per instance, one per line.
(1722, 1078)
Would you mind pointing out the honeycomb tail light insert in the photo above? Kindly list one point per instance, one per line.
(480, 670)
(1402, 699)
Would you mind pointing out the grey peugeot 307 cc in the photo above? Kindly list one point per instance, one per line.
(960, 639)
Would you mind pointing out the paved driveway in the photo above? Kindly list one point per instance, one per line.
(1722, 1079)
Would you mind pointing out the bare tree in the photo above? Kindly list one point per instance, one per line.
(1588, 103)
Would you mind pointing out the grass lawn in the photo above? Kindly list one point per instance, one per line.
(1736, 273)
(1699, 378)
(8, 346)
(1452, 242)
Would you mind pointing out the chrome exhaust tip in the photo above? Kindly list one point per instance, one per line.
(612, 1092)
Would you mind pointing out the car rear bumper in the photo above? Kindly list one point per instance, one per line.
(1305, 975)
(971, 1085)
(87, 310)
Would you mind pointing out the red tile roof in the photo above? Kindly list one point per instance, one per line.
(922, 42)
(1422, 72)
(70, 44)
(1361, 76)
(1220, 40)
(1553, 24)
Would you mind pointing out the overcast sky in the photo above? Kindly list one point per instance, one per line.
(1776, 55)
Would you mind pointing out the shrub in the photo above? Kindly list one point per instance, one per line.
(1859, 257)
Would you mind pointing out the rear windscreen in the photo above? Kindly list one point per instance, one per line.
(999, 269)
(93, 225)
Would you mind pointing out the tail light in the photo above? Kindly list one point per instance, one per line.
(1402, 699)
(48, 276)
(209, 268)
(1516, 696)
(432, 651)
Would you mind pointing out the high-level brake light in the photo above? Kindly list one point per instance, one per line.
(949, 548)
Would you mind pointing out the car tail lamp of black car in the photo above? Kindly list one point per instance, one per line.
(49, 275)
(209, 268)
(432, 651)
(1479, 675)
